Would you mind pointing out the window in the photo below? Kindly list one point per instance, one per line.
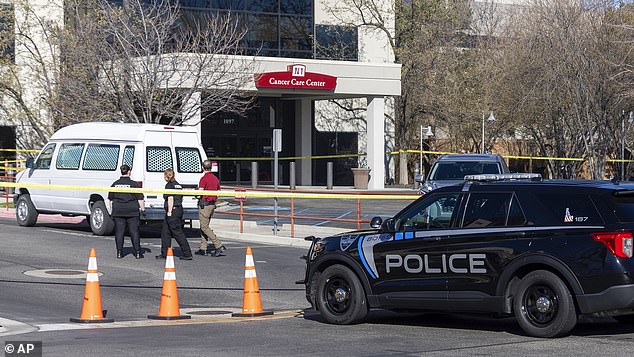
(159, 159)
(44, 160)
(487, 210)
(188, 160)
(436, 212)
(571, 208)
(101, 157)
(516, 214)
(128, 155)
(69, 156)
(7, 33)
(458, 170)
(336, 42)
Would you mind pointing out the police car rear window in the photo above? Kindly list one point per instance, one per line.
(624, 208)
(570, 209)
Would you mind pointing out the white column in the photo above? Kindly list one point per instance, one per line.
(303, 140)
(192, 113)
(375, 117)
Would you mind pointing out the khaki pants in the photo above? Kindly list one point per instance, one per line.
(206, 233)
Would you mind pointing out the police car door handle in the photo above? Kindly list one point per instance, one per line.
(516, 234)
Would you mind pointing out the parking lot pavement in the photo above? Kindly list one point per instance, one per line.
(131, 290)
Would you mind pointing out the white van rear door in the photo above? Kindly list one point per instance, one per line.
(189, 160)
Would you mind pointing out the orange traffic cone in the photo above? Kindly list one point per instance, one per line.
(251, 303)
(169, 309)
(91, 310)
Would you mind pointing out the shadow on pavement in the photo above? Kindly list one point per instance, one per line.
(587, 327)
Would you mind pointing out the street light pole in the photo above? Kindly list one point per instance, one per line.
(491, 119)
(482, 133)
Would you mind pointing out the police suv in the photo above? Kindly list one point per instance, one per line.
(543, 251)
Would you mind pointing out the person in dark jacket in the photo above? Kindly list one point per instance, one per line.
(126, 209)
(173, 221)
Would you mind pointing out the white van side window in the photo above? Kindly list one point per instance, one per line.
(159, 158)
(46, 156)
(188, 160)
(69, 156)
(101, 157)
(128, 155)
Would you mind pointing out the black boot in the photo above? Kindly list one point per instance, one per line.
(119, 254)
(138, 255)
(219, 251)
(200, 252)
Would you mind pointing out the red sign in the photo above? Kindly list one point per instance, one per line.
(296, 77)
(240, 198)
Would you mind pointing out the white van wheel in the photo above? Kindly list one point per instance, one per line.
(25, 211)
(101, 223)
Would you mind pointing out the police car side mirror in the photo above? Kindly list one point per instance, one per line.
(388, 225)
(419, 178)
(376, 222)
(29, 163)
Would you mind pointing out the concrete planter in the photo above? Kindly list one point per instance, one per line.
(361, 177)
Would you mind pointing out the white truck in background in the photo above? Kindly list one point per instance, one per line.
(90, 154)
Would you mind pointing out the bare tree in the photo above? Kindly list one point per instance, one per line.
(154, 57)
(133, 61)
(557, 75)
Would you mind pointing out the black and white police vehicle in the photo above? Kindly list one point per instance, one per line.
(543, 251)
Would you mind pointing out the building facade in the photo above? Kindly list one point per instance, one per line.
(302, 58)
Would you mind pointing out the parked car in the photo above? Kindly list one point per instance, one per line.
(90, 154)
(545, 252)
(451, 169)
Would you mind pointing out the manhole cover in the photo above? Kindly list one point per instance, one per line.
(58, 273)
(209, 312)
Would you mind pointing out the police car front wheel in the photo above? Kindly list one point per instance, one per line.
(340, 296)
(544, 306)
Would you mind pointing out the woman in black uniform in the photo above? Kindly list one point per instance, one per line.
(173, 221)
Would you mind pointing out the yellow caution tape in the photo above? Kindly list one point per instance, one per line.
(18, 150)
(4, 161)
(508, 156)
(9, 168)
(222, 193)
(283, 158)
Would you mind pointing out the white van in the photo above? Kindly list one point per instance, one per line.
(90, 154)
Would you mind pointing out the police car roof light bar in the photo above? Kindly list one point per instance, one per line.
(503, 177)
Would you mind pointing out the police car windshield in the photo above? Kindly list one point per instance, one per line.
(457, 170)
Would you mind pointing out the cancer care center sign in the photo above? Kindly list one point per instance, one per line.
(296, 77)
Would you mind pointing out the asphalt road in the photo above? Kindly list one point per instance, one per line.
(131, 290)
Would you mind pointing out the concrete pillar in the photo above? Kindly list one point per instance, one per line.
(192, 113)
(303, 140)
(375, 117)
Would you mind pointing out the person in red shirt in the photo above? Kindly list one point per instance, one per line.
(206, 208)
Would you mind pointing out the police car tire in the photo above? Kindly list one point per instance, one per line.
(24, 202)
(544, 283)
(357, 306)
(107, 226)
(625, 319)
